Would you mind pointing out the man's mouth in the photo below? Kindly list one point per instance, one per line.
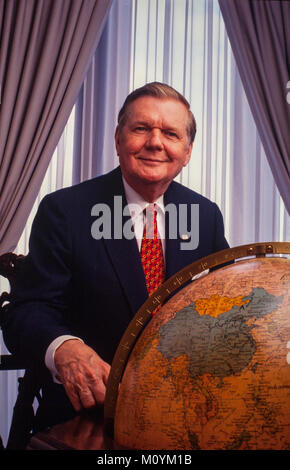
(151, 160)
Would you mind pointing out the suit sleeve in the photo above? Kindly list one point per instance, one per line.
(40, 301)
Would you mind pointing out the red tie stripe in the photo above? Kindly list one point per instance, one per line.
(152, 253)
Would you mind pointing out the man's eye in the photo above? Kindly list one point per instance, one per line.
(140, 129)
(171, 134)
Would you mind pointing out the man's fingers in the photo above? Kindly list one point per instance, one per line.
(83, 373)
(73, 396)
(87, 394)
(87, 398)
(99, 392)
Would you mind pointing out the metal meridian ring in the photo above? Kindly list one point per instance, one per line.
(144, 314)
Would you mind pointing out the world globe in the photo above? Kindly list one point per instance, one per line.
(211, 370)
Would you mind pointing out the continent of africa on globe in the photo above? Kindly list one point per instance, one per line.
(212, 369)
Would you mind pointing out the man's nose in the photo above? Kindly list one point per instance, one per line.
(154, 139)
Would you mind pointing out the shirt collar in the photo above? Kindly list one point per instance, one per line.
(136, 202)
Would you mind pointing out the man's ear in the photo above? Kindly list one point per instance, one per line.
(117, 136)
(188, 154)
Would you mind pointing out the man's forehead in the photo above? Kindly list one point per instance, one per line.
(149, 108)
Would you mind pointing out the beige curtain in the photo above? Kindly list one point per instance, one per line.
(45, 50)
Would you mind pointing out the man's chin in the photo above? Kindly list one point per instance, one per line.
(152, 177)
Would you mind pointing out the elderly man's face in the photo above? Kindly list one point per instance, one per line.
(153, 144)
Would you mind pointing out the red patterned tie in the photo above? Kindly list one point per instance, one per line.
(152, 253)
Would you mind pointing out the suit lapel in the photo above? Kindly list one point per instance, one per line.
(172, 243)
(124, 253)
(176, 258)
(125, 257)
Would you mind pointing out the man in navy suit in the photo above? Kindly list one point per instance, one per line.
(83, 279)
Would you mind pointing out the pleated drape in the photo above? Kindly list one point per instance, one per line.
(46, 48)
(259, 33)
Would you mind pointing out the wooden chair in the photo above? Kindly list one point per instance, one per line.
(28, 387)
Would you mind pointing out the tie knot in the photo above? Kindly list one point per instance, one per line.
(151, 209)
(150, 226)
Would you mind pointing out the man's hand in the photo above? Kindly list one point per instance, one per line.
(83, 374)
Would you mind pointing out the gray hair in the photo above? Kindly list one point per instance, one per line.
(161, 91)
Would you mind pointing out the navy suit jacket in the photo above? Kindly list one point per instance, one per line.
(75, 284)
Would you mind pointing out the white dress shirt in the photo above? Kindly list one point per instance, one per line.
(136, 206)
